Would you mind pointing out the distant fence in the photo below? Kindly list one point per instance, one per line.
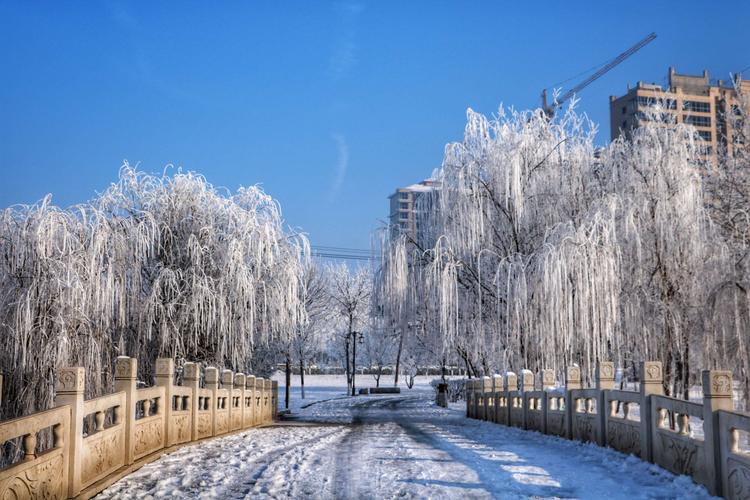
(95, 442)
(706, 440)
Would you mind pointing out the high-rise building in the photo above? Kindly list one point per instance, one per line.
(408, 207)
(689, 99)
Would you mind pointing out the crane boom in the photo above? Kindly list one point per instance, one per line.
(550, 109)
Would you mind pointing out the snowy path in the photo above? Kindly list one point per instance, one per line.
(392, 447)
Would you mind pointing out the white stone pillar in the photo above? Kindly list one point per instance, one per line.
(191, 377)
(126, 377)
(572, 382)
(211, 381)
(69, 390)
(651, 383)
(717, 395)
(165, 378)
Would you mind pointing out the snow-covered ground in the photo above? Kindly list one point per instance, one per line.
(392, 447)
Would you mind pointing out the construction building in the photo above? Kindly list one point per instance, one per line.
(694, 100)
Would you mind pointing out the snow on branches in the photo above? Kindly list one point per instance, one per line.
(153, 266)
(546, 251)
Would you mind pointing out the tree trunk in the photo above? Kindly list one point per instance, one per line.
(288, 381)
(354, 363)
(302, 375)
(348, 373)
(398, 357)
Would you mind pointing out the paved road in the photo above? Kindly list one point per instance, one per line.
(397, 447)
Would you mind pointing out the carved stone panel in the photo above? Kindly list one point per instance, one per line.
(584, 427)
(40, 478)
(556, 423)
(180, 428)
(103, 453)
(148, 437)
(624, 437)
(738, 480)
(204, 424)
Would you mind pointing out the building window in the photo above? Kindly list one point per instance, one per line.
(705, 135)
(653, 102)
(403, 206)
(696, 106)
(697, 121)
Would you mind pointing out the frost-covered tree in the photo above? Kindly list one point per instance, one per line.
(550, 252)
(153, 266)
(350, 292)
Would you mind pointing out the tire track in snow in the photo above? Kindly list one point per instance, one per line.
(245, 488)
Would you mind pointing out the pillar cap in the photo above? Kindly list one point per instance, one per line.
(227, 377)
(717, 383)
(191, 371)
(605, 370)
(211, 374)
(164, 367)
(126, 368)
(651, 372)
(71, 380)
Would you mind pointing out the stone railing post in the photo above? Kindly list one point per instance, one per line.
(259, 385)
(191, 377)
(651, 383)
(250, 393)
(605, 381)
(497, 388)
(274, 399)
(485, 388)
(165, 378)
(572, 382)
(548, 382)
(211, 381)
(126, 376)
(717, 395)
(239, 383)
(548, 379)
(266, 400)
(69, 390)
(527, 385)
(510, 383)
(227, 382)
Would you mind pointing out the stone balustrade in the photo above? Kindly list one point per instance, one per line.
(95, 442)
(698, 439)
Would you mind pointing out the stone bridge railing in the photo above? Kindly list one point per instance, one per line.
(96, 442)
(698, 439)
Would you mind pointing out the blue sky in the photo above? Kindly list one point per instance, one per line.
(329, 106)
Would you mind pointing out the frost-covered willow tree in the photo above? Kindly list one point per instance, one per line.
(153, 266)
(547, 252)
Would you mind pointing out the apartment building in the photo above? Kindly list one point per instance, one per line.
(689, 99)
(408, 207)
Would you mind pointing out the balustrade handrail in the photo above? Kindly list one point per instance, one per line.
(589, 414)
(83, 465)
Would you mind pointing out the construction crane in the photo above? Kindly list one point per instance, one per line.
(549, 109)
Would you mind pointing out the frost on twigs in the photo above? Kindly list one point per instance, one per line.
(543, 251)
(153, 266)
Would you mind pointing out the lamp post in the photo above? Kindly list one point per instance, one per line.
(358, 339)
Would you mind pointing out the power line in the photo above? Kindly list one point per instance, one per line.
(340, 249)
